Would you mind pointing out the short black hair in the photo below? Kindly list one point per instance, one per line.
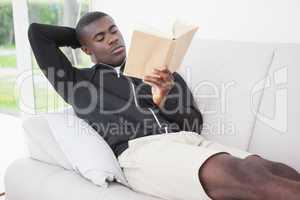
(86, 19)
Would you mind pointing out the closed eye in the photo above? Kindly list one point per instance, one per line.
(99, 36)
(114, 29)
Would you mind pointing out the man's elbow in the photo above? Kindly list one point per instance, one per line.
(32, 30)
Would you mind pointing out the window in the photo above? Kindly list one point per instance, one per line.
(55, 12)
(8, 65)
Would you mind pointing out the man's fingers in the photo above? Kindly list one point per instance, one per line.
(164, 69)
(154, 80)
(150, 83)
(163, 75)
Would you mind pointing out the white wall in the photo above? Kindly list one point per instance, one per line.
(239, 20)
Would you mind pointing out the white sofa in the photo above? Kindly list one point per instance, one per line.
(249, 95)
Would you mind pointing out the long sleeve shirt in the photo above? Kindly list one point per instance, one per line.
(118, 107)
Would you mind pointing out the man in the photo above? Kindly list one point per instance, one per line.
(156, 125)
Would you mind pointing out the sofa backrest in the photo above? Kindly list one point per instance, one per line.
(248, 94)
(222, 75)
(276, 133)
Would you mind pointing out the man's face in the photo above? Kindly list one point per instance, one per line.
(104, 42)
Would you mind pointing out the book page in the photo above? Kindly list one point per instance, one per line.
(146, 52)
(153, 31)
(183, 41)
(180, 28)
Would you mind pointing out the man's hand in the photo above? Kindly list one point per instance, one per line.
(161, 82)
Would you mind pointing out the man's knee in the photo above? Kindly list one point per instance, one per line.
(224, 177)
(253, 172)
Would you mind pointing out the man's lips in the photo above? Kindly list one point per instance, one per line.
(118, 49)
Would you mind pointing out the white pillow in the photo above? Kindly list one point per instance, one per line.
(41, 144)
(83, 148)
(87, 151)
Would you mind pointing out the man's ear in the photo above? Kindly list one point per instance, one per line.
(86, 50)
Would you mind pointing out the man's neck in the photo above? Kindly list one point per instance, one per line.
(119, 68)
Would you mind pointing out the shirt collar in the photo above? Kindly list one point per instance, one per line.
(120, 68)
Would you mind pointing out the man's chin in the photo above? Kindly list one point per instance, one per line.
(114, 61)
(119, 61)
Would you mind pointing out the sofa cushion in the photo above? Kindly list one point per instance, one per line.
(41, 143)
(63, 139)
(276, 133)
(87, 151)
(221, 75)
(28, 179)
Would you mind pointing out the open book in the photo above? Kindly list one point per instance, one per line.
(152, 49)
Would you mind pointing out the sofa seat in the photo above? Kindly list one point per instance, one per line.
(29, 179)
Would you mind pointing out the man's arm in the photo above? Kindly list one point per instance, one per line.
(45, 41)
(179, 107)
(174, 100)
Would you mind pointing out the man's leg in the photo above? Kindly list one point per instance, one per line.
(226, 177)
(280, 169)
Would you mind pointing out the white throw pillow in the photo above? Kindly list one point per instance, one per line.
(41, 144)
(86, 150)
(82, 148)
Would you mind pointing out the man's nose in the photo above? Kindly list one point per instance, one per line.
(113, 39)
